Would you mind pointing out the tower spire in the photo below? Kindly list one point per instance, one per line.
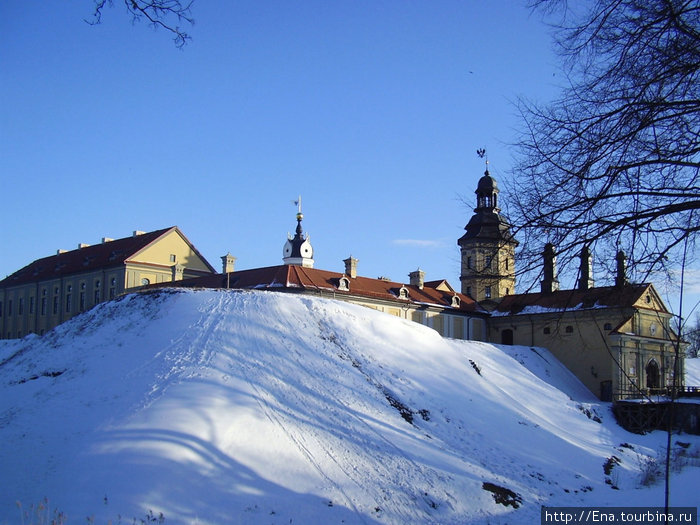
(297, 250)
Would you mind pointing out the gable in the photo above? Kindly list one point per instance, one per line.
(169, 249)
(441, 285)
(651, 300)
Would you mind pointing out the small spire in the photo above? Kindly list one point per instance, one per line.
(297, 250)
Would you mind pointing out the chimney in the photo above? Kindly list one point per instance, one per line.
(351, 267)
(549, 283)
(178, 272)
(228, 262)
(137, 233)
(106, 239)
(586, 281)
(60, 251)
(621, 276)
(82, 245)
(417, 278)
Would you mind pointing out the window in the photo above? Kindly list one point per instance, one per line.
(403, 293)
(69, 298)
(507, 261)
(145, 281)
(173, 258)
(98, 295)
(488, 262)
(607, 326)
(31, 304)
(547, 330)
(43, 306)
(112, 287)
(20, 306)
(487, 292)
(81, 302)
(469, 263)
(344, 284)
(55, 304)
(469, 291)
(569, 329)
(0, 308)
(9, 307)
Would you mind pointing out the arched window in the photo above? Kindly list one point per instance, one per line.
(653, 376)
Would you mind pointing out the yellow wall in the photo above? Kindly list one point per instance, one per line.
(477, 274)
(581, 340)
(70, 295)
(171, 244)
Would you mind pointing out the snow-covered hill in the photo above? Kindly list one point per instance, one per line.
(219, 407)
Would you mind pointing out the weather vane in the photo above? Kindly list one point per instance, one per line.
(482, 153)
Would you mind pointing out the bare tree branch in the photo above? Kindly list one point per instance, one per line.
(166, 14)
(615, 161)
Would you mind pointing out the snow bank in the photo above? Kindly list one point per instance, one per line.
(246, 407)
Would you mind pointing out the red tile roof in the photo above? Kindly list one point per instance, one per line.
(559, 300)
(298, 278)
(108, 254)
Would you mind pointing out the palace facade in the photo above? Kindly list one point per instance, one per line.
(53, 289)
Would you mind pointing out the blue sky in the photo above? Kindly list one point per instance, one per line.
(371, 110)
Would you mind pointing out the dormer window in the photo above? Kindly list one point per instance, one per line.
(344, 284)
(403, 293)
(455, 301)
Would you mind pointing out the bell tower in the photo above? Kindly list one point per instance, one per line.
(487, 248)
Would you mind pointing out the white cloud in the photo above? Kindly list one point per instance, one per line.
(422, 243)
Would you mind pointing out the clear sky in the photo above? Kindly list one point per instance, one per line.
(371, 110)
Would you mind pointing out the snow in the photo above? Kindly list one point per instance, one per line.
(692, 371)
(230, 406)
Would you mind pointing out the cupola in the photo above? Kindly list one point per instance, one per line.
(297, 250)
(487, 193)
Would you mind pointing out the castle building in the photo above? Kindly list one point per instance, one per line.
(432, 303)
(53, 289)
(618, 340)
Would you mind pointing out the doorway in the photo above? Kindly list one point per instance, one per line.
(653, 376)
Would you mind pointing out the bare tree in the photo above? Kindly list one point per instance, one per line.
(614, 162)
(167, 14)
(692, 336)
